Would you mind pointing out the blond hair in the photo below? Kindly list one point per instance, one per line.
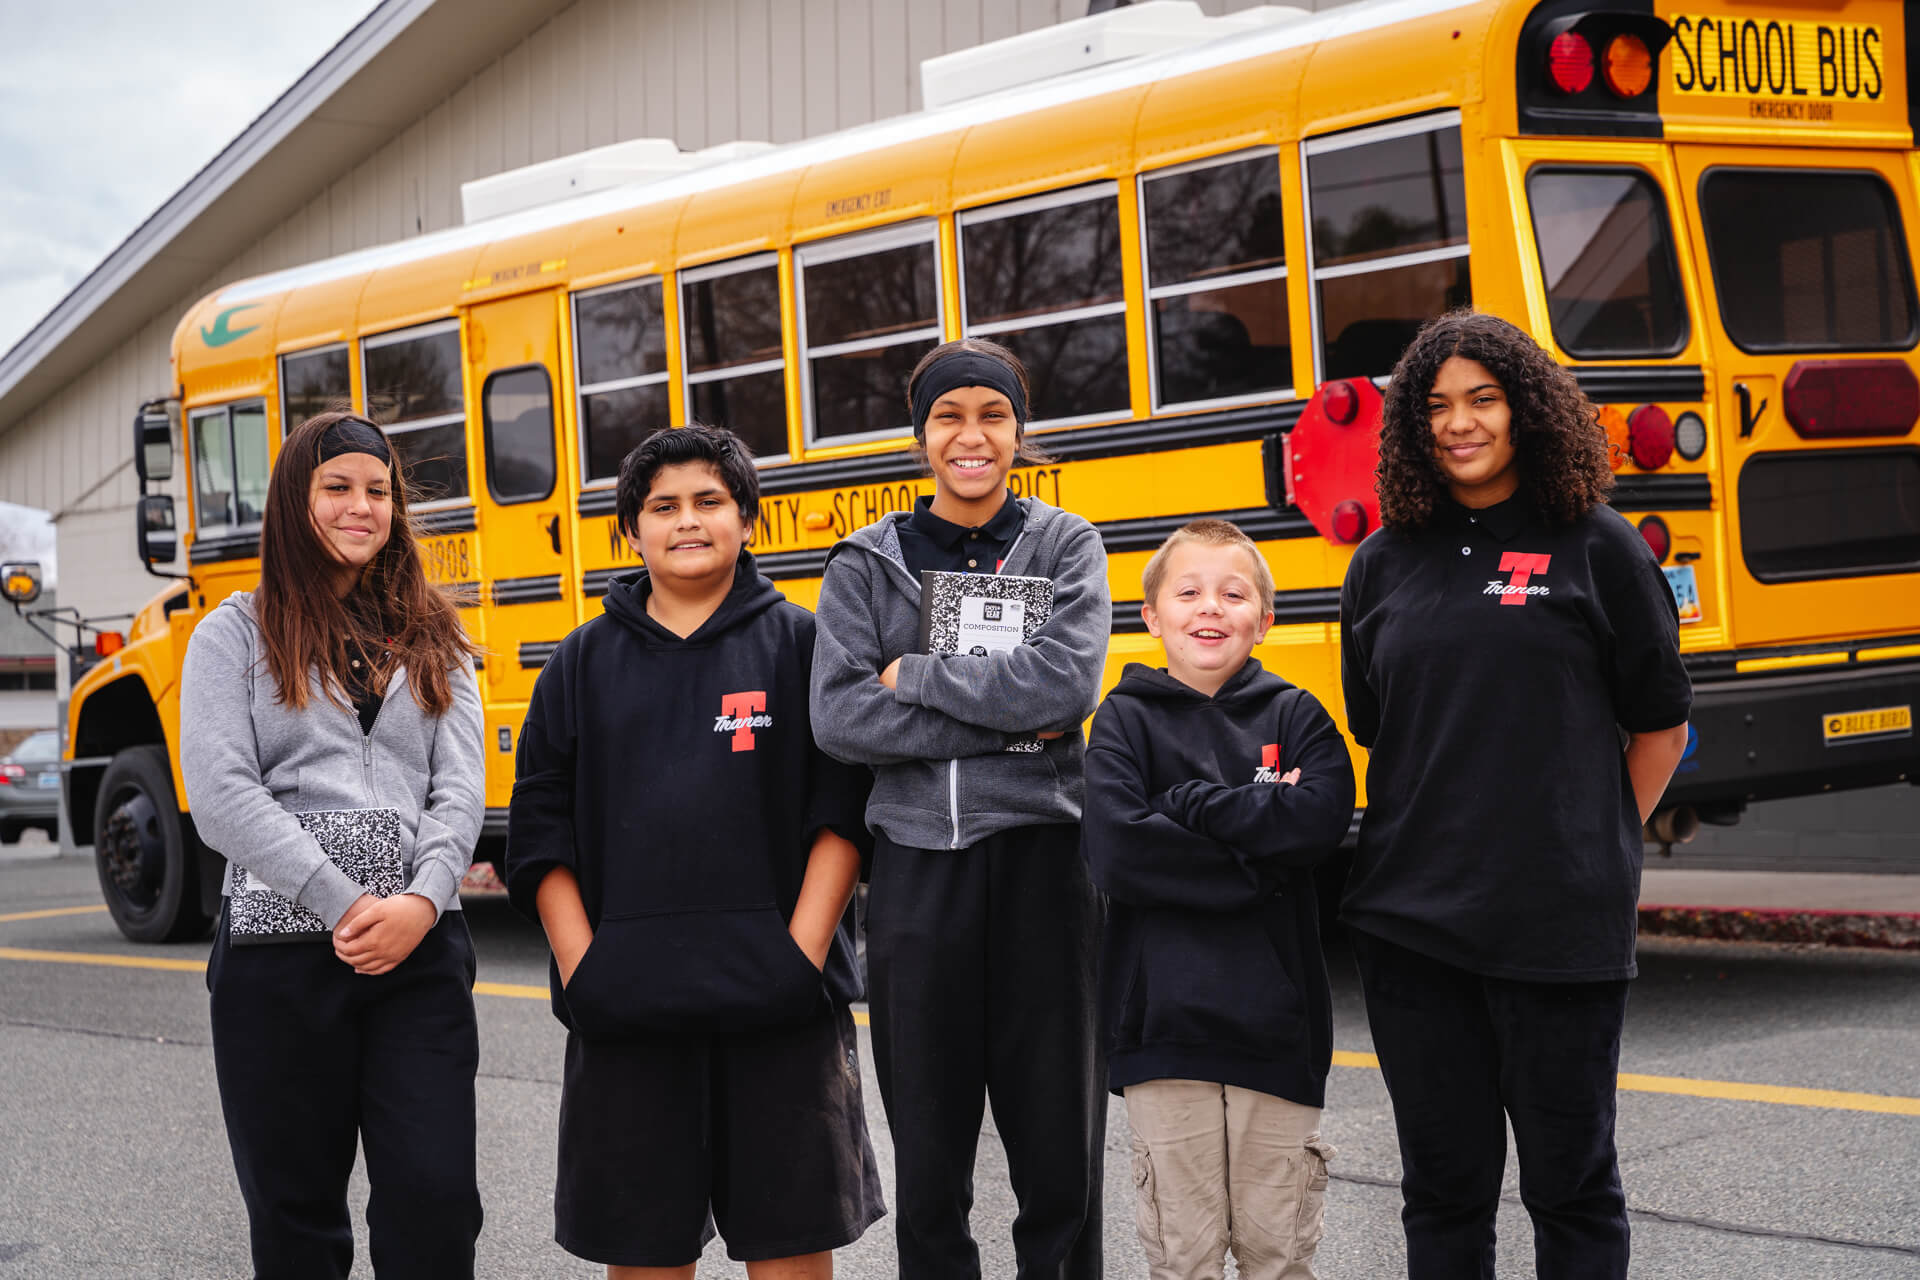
(1213, 533)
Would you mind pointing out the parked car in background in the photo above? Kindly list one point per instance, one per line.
(30, 787)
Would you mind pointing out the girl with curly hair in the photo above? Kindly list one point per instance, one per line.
(1510, 655)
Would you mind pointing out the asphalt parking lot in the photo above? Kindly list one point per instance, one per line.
(1770, 1113)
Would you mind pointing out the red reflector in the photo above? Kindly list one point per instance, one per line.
(1650, 437)
(108, 643)
(1629, 68)
(1340, 401)
(1826, 398)
(1349, 521)
(1659, 539)
(1570, 62)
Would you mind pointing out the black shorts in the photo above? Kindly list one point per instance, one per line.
(762, 1134)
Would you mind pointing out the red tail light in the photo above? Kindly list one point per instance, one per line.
(1570, 62)
(1349, 521)
(10, 774)
(1650, 437)
(1659, 537)
(1828, 398)
(1340, 401)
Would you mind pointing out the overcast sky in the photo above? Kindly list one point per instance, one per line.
(108, 107)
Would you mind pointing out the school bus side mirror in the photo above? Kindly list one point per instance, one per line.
(154, 528)
(20, 581)
(153, 426)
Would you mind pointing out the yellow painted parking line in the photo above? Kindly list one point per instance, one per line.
(101, 958)
(1776, 1094)
(1727, 1090)
(50, 912)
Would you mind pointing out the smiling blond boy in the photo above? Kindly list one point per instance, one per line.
(1213, 789)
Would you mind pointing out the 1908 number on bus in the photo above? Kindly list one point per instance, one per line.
(448, 559)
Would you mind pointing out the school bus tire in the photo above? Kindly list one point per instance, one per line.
(147, 861)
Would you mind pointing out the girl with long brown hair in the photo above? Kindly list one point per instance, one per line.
(331, 720)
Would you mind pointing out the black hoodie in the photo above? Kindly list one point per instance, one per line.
(1211, 968)
(679, 779)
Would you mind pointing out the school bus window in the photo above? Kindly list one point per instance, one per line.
(1042, 277)
(1388, 230)
(1830, 513)
(312, 382)
(869, 309)
(620, 337)
(229, 446)
(730, 314)
(1217, 279)
(1606, 255)
(516, 410)
(412, 381)
(1808, 260)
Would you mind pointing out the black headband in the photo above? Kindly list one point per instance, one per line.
(966, 369)
(354, 435)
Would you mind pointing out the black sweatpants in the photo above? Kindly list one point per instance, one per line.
(982, 964)
(311, 1057)
(1463, 1054)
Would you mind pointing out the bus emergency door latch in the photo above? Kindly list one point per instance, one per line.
(1749, 416)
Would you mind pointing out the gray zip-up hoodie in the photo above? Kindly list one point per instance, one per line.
(937, 742)
(250, 763)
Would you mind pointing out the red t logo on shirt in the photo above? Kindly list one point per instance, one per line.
(1269, 770)
(740, 714)
(1522, 565)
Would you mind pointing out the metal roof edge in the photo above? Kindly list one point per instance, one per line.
(311, 92)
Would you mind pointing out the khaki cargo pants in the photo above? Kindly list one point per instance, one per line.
(1218, 1167)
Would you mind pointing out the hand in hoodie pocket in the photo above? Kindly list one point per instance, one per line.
(708, 969)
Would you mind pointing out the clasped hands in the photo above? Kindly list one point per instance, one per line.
(376, 934)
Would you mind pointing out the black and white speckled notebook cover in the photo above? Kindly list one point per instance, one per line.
(981, 613)
(364, 843)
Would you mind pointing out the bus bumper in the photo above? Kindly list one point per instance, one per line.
(1798, 733)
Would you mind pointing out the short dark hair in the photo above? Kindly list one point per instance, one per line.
(718, 447)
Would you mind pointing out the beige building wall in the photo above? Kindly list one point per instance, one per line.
(599, 71)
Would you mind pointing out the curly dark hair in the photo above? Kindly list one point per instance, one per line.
(1560, 446)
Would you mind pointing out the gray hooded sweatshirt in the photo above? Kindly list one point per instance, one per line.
(250, 763)
(943, 778)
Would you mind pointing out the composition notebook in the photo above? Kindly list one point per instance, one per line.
(982, 613)
(364, 843)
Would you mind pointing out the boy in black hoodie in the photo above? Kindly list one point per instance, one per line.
(1213, 788)
(690, 853)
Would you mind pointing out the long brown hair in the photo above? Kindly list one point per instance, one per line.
(393, 609)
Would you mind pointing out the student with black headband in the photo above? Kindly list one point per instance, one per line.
(982, 925)
(342, 691)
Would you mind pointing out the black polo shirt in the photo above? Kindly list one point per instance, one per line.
(928, 542)
(1490, 662)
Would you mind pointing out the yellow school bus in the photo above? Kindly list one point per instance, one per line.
(1210, 258)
